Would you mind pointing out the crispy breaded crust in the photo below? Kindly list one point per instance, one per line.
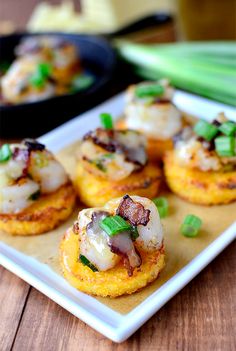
(45, 214)
(204, 188)
(113, 282)
(95, 191)
(155, 147)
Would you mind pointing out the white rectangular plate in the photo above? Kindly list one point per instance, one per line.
(112, 324)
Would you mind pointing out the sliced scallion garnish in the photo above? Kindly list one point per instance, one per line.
(41, 74)
(87, 263)
(110, 155)
(149, 90)
(225, 146)
(113, 225)
(204, 68)
(81, 82)
(205, 130)
(5, 153)
(37, 80)
(228, 128)
(162, 206)
(191, 225)
(106, 120)
(45, 69)
(99, 164)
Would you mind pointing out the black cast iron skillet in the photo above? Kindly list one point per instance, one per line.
(34, 119)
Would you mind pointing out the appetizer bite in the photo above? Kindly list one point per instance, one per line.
(45, 66)
(116, 249)
(112, 163)
(150, 110)
(35, 191)
(27, 81)
(202, 166)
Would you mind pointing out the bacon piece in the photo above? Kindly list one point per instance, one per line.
(132, 211)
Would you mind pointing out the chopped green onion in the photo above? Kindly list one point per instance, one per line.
(149, 90)
(113, 225)
(106, 120)
(5, 153)
(205, 130)
(81, 82)
(134, 233)
(205, 68)
(45, 69)
(41, 74)
(225, 146)
(37, 81)
(228, 128)
(87, 263)
(191, 226)
(162, 206)
(99, 164)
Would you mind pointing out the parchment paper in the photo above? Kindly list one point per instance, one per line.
(179, 249)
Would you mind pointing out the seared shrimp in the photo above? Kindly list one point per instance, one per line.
(106, 251)
(47, 171)
(157, 117)
(113, 154)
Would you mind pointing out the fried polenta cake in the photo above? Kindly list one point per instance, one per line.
(114, 250)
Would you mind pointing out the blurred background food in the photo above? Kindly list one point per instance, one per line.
(44, 67)
(50, 78)
(194, 19)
